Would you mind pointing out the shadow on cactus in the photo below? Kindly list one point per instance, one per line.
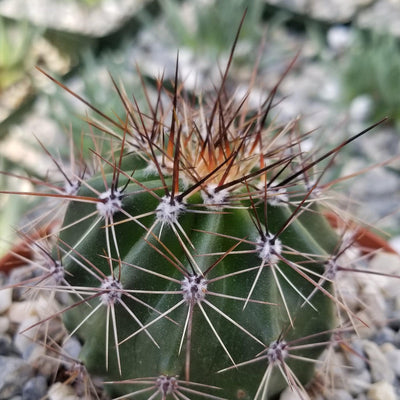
(197, 257)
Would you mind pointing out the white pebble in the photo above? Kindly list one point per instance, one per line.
(339, 394)
(58, 391)
(24, 342)
(72, 347)
(379, 365)
(392, 355)
(5, 299)
(21, 311)
(356, 358)
(381, 391)
(40, 307)
(4, 324)
(339, 38)
(361, 108)
(358, 383)
(289, 394)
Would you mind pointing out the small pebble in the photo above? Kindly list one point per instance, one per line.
(35, 388)
(24, 342)
(382, 391)
(358, 382)
(4, 324)
(5, 299)
(361, 396)
(378, 364)
(339, 38)
(7, 347)
(58, 391)
(18, 275)
(339, 394)
(356, 357)
(72, 347)
(384, 335)
(20, 311)
(14, 373)
(361, 108)
(396, 340)
(3, 278)
(39, 307)
(288, 394)
(392, 355)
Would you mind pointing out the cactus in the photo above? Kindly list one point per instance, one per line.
(197, 260)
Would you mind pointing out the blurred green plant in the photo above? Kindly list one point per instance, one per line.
(16, 40)
(211, 21)
(372, 67)
(89, 3)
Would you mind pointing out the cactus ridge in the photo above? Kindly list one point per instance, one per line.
(196, 259)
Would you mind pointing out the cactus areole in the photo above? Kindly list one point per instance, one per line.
(196, 255)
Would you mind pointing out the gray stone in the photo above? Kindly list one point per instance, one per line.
(327, 10)
(73, 16)
(382, 391)
(7, 347)
(339, 394)
(14, 373)
(333, 10)
(382, 16)
(395, 243)
(396, 340)
(4, 324)
(58, 391)
(393, 357)
(359, 382)
(35, 388)
(361, 108)
(72, 347)
(378, 364)
(356, 358)
(339, 38)
(18, 275)
(5, 299)
(384, 335)
(288, 394)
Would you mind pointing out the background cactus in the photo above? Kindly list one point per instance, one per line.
(197, 256)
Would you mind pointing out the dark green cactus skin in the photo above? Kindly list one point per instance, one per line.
(140, 357)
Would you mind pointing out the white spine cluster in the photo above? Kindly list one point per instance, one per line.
(194, 288)
(111, 202)
(269, 249)
(214, 199)
(277, 351)
(112, 291)
(57, 272)
(277, 196)
(168, 211)
(331, 269)
(71, 187)
(166, 385)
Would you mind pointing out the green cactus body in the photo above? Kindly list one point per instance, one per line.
(192, 305)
